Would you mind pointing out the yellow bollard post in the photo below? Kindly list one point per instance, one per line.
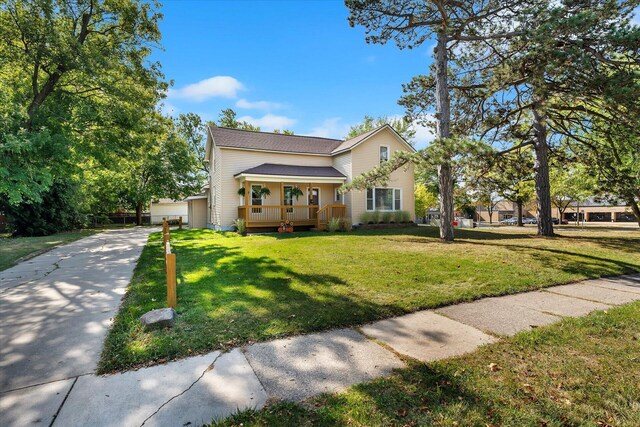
(172, 297)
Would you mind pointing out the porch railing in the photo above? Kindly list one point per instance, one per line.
(273, 215)
(330, 211)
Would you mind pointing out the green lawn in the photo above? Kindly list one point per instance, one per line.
(233, 290)
(13, 250)
(580, 372)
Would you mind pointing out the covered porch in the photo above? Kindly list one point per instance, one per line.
(273, 194)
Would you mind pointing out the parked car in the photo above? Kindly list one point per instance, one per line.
(555, 220)
(509, 221)
(529, 221)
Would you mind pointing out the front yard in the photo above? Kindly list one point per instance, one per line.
(234, 290)
(12, 250)
(579, 372)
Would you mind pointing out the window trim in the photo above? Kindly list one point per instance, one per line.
(380, 161)
(373, 194)
(309, 191)
(337, 196)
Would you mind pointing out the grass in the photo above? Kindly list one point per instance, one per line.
(581, 371)
(12, 250)
(234, 290)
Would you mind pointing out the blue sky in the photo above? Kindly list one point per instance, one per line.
(282, 64)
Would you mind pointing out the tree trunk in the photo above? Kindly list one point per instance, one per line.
(443, 117)
(490, 211)
(520, 204)
(139, 213)
(634, 208)
(541, 168)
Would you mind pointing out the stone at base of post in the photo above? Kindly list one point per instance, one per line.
(160, 318)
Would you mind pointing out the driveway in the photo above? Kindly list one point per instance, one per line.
(55, 309)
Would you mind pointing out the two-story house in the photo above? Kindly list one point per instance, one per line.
(267, 178)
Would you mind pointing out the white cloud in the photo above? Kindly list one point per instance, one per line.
(333, 127)
(269, 121)
(424, 136)
(258, 105)
(218, 86)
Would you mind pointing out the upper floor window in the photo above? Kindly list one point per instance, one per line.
(384, 153)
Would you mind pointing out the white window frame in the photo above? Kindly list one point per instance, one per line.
(374, 199)
(380, 153)
(337, 197)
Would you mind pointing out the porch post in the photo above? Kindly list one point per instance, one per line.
(282, 208)
(247, 190)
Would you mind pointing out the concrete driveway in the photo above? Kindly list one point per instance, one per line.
(55, 309)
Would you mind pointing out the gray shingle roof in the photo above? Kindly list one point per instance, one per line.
(237, 138)
(292, 170)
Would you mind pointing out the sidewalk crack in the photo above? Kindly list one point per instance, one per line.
(209, 368)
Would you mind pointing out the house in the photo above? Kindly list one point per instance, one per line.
(160, 209)
(268, 178)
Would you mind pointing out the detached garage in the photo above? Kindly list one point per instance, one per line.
(167, 208)
(197, 207)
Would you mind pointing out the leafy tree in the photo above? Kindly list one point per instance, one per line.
(284, 132)
(192, 129)
(402, 126)
(560, 57)
(161, 164)
(424, 200)
(227, 119)
(74, 80)
(59, 210)
(509, 176)
(409, 24)
(610, 151)
(569, 185)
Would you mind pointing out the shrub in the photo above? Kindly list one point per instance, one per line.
(366, 218)
(333, 225)
(406, 216)
(398, 217)
(241, 227)
(375, 217)
(345, 224)
(387, 217)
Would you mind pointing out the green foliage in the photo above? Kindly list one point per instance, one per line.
(400, 125)
(58, 210)
(193, 130)
(227, 119)
(387, 217)
(345, 224)
(333, 224)
(75, 80)
(424, 200)
(366, 217)
(240, 226)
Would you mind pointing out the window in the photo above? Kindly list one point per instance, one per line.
(256, 198)
(338, 195)
(288, 197)
(384, 199)
(384, 153)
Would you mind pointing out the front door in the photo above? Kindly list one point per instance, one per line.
(314, 202)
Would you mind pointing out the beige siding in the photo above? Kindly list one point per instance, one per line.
(343, 163)
(198, 213)
(236, 161)
(215, 194)
(366, 156)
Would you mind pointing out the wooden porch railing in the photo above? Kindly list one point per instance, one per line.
(273, 215)
(330, 211)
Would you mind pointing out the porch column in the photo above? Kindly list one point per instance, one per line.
(282, 208)
(247, 191)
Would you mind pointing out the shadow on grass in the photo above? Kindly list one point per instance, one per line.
(227, 299)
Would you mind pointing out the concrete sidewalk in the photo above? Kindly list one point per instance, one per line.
(199, 389)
